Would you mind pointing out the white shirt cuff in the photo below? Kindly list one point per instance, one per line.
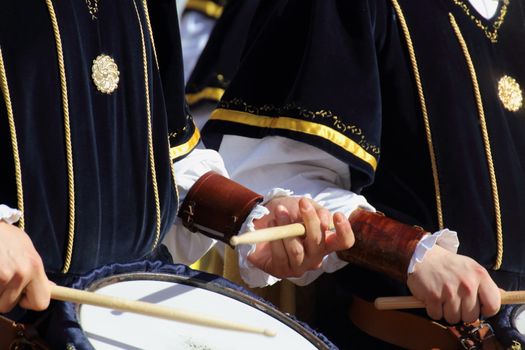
(331, 263)
(444, 238)
(9, 215)
(251, 275)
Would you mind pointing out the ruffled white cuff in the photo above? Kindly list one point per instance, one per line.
(444, 238)
(253, 276)
(9, 215)
(331, 263)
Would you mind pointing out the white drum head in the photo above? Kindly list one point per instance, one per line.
(110, 329)
(519, 320)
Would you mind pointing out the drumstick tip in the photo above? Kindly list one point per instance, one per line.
(234, 241)
(269, 332)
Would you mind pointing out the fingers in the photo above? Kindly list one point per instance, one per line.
(292, 248)
(295, 252)
(452, 309)
(27, 285)
(454, 287)
(433, 304)
(37, 296)
(11, 292)
(22, 276)
(435, 310)
(37, 293)
(470, 308)
(343, 238)
(314, 224)
(279, 263)
(489, 296)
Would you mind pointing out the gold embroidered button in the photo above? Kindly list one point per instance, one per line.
(105, 74)
(510, 94)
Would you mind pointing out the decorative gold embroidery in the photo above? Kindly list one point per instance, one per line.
(486, 141)
(237, 104)
(185, 148)
(105, 74)
(93, 8)
(297, 125)
(515, 345)
(173, 135)
(70, 346)
(510, 94)
(492, 34)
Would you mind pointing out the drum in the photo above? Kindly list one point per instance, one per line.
(89, 327)
(509, 326)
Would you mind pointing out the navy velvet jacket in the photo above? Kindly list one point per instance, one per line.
(422, 99)
(222, 54)
(90, 170)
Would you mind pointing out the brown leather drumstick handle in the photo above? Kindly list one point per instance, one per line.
(217, 206)
(381, 243)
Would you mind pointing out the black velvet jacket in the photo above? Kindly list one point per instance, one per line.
(91, 171)
(417, 98)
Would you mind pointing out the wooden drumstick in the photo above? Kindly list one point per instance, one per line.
(144, 308)
(269, 234)
(409, 302)
(272, 234)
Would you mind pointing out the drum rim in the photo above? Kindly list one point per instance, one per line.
(513, 315)
(213, 287)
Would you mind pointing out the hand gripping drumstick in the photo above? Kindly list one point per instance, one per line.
(141, 307)
(381, 243)
(269, 234)
(368, 228)
(409, 302)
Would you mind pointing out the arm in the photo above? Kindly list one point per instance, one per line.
(185, 246)
(452, 286)
(218, 207)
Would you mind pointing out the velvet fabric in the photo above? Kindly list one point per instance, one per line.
(64, 326)
(300, 58)
(113, 186)
(349, 59)
(222, 54)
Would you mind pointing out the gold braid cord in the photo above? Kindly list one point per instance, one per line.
(14, 142)
(67, 131)
(422, 100)
(486, 141)
(150, 30)
(150, 132)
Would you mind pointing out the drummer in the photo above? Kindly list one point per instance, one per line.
(418, 106)
(93, 119)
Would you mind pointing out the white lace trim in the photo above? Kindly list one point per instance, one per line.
(253, 276)
(9, 215)
(444, 238)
